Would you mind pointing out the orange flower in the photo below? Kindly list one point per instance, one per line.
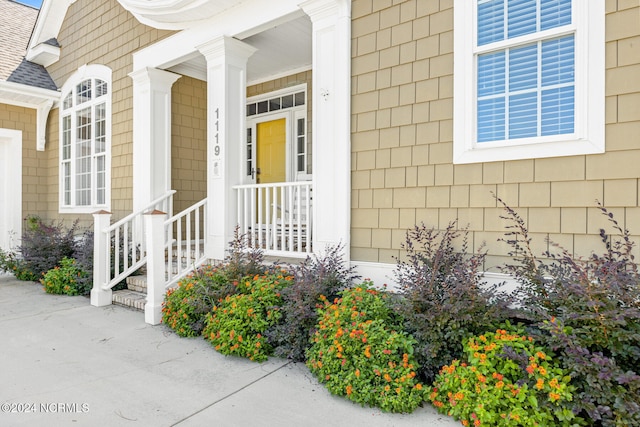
(554, 396)
(349, 390)
(367, 352)
(358, 373)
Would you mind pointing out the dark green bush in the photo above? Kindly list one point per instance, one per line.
(66, 279)
(185, 307)
(360, 351)
(506, 379)
(587, 311)
(444, 300)
(237, 324)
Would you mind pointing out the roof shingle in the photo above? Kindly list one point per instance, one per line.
(16, 24)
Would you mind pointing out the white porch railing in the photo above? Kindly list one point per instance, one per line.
(185, 231)
(170, 248)
(277, 217)
(120, 249)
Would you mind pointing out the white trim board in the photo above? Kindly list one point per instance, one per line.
(10, 187)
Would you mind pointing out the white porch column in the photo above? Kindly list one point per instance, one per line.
(226, 97)
(331, 125)
(151, 134)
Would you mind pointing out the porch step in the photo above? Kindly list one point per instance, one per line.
(137, 283)
(130, 299)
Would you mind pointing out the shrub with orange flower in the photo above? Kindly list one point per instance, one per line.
(237, 324)
(359, 351)
(506, 381)
(64, 279)
(185, 307)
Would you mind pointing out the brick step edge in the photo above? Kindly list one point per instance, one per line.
(129, 298)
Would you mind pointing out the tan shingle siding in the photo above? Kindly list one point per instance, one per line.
(556, 196)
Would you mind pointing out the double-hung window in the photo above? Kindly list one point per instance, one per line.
(528, 79)
(85, 141)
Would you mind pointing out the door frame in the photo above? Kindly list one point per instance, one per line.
(11, 185)
(290, 115)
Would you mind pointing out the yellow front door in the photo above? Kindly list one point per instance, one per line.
(271, 151)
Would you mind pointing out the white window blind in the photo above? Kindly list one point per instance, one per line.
(525, 89)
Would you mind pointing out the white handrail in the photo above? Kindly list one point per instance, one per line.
(125, 244)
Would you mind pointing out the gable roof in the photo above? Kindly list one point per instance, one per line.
(16, 24)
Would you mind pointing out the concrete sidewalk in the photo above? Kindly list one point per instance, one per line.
(64, 362)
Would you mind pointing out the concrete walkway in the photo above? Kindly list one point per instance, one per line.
(66, 363)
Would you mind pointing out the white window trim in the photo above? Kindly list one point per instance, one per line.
(93, 71)
(589, 136)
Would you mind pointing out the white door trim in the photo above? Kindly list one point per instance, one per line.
(10, 188)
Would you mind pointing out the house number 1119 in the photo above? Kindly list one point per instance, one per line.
(216, 149)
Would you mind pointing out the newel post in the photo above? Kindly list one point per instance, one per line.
(99, 296)
(154, 232)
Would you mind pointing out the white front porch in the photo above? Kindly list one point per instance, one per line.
(230, 50)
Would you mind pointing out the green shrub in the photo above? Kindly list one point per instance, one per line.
(588, 312)
(185, 308)
(11, 263)
(323, 275)
(506, 381)
(444, 299)
(237, 324)
(359, 351)
(65, 279)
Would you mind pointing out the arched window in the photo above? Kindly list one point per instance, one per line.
(85, 140)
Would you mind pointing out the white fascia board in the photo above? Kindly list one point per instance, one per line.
(48, 24)
(238, 20)
(26, 96)
(44, 54)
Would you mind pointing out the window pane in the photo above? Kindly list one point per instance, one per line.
(249, 151)
(491, 119)
(490, 21)
(66, 138)
(100, 178)
(263, 107)
(555, 13)
(101, 127)
(66, 179)
(251, 110)
(274, 104)
(287, 101)
(523, 68)
(491, 74)
(83, 124)
(558, 107)
(101, 88)
(523, 115)
(522, 17)
(68, 101)
(83, 92)
(299, 98)
(558, 61)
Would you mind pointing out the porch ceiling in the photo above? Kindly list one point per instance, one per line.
(282, 49)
